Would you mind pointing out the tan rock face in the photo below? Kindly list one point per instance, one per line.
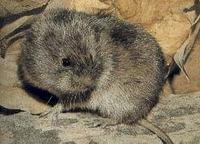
(181, 84)
(8, 66)
(88, 6)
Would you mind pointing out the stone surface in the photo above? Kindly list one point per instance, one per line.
(14, 7)
(178, 115)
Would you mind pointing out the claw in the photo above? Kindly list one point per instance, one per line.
(52, 114)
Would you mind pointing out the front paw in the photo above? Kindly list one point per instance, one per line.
(52, 114)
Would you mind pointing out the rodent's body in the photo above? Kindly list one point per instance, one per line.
(96, 62)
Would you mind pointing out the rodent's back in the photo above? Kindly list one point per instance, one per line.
(137, 77)
(126, 71)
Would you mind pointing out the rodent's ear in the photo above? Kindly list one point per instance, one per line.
(123, 34)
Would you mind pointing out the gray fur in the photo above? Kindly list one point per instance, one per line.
(115, 67)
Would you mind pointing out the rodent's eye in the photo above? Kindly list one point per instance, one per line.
(66, 62)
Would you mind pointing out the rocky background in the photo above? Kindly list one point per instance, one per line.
(172, 22)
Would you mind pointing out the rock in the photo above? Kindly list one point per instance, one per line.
(15, 7)
(178, 115)
(8, 66)
(180, 83)
(20, 129)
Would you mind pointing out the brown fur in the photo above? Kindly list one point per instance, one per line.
(95, 62)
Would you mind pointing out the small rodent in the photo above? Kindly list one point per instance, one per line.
(96, 62)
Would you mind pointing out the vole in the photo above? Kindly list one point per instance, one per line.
(96, 62)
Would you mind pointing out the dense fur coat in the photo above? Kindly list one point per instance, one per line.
(96, 62)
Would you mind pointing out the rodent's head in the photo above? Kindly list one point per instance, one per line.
(63, 59)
